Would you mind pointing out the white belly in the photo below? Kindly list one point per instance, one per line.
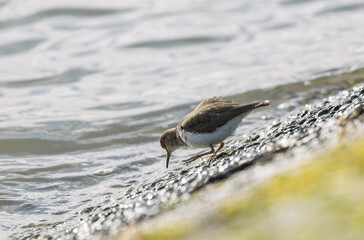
(207, 139)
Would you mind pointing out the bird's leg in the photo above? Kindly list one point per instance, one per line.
(199, 155)
(214, 154)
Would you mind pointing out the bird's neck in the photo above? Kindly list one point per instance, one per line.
(177, 140)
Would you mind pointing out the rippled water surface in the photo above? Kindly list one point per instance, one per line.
(87, 88)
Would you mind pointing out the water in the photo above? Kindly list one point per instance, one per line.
(87, 88)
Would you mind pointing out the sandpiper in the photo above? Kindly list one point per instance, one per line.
(210, 123)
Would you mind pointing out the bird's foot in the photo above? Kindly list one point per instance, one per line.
(228, 150)
(212, 156)
(191, 159)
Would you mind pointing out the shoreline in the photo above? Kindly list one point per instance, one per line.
(307, 128)
(298, 195)
(306, 200)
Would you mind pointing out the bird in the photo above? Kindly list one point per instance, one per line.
(210, 123)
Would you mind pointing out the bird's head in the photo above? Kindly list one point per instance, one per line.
(169, 142)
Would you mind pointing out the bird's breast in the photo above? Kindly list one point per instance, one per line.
(207, 139)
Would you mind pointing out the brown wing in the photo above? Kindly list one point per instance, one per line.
(213, 113)
(215, 101)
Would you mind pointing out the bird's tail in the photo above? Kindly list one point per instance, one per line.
(245, 109)
(260, 104)
(251, 106)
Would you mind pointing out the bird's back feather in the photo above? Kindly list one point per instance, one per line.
(213, 113)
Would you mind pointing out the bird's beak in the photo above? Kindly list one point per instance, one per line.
(168, 156)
